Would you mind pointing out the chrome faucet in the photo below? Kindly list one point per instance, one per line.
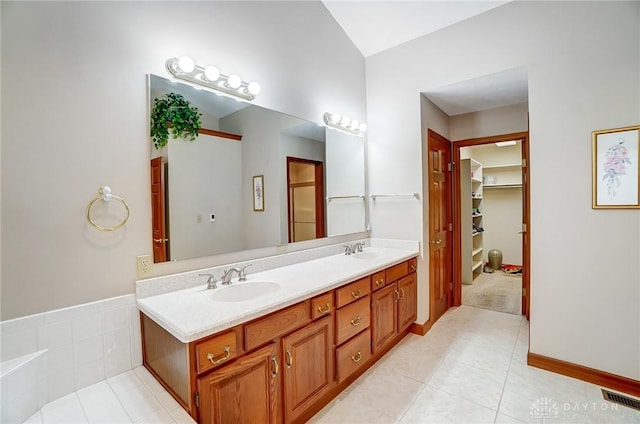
(228, 273)
(357, 247)
(242, 275)
(211, 281)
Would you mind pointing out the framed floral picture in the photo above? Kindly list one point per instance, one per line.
(615, 180)
(258, 193)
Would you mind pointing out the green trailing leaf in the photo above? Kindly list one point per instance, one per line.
(175, 109)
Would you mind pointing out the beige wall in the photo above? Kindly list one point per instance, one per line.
(582, 60)
(74, 115)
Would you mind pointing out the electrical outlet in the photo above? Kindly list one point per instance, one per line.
(144, 266)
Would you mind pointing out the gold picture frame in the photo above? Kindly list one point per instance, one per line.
(615, 176)
(258, 193)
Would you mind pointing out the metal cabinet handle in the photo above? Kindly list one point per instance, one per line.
(276, 368)
(326, 309)
(380, 282)
(227, 354)
(396, 295)
(401, 294)
(413, 267)
(357, 357)
(289, 358)
(356, 321)
(356, 294)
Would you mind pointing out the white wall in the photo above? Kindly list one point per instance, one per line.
(345, 177)
(75, 112)
(583, 72)
(204, 178)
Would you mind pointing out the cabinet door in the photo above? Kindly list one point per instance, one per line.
(245, 391)
(407, 302)
(308, 366)
(383, 316)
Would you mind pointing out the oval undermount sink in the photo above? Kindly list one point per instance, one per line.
(368, 254)
(244, 291)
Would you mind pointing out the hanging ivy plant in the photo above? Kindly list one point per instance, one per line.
(173, 111)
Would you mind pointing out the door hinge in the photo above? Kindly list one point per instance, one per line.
(524, 292)
(524, 163)
(450, 227)
(197, 400)
(450, 166)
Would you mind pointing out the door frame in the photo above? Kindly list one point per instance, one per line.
(457, 218)
(319, 195)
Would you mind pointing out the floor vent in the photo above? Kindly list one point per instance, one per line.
(622, 400)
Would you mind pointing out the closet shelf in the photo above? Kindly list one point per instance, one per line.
(476, 251)
(506, 166)
(476, 265)
(502, 185)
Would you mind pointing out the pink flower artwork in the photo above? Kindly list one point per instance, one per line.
(615, 164)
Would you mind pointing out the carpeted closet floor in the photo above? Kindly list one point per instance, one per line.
(496, 291)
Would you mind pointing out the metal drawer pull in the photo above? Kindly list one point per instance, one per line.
(326, 310)
(413, 267)
(357, 357)
(356, 322)
(356, 294)
(227, 354)
(276, 368)
(401, 294)
(380, 282)
(289, 358)
(396, 295)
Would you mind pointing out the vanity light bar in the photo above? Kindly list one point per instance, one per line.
(184, 68)
(342, 123)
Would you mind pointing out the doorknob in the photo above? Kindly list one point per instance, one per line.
(436, 241)
(159, 240)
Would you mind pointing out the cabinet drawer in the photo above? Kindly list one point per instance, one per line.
(378, 280)
(215, 351)
(322, 305)
(353, 291)
(353, 355)
(275, 325)
(397, 271)
(352, 319)
(413, 264)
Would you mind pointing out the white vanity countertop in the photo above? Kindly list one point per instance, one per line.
(191, 314)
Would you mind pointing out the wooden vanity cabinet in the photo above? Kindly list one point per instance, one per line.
(285, 366)
(245, 391)
(394, 308)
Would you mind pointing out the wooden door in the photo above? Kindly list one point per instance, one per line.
(384, 316)
(305, 194)
(526, 255)
(158, 211)
(440, 224)
(309, 370)
(245, 391)
(407, 301)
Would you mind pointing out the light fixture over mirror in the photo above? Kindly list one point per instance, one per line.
(185, 68)
(344, 123)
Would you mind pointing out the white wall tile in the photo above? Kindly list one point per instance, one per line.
(87, 326)
(88, 374)
(117, 352)
(60, 383)
(114, 319)
(54, 335)
(60, 358)
(16, 343)
(88, 350)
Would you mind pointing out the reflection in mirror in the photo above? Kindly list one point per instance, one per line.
(203, 191)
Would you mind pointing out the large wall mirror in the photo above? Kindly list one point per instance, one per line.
(253, 178)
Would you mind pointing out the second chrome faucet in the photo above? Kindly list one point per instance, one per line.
(228, 274)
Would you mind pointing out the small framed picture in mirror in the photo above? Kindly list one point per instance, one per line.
(258, 193)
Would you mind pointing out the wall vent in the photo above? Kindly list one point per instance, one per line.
(621, 399)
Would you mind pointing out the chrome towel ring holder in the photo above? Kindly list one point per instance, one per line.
(104, 193)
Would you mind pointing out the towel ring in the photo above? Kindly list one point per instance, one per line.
(104, 193)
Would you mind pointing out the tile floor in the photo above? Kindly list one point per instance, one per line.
(469, 368)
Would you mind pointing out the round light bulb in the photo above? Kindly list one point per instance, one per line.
(186, 64)
(335, 118)
(211, 73)
(345, 121)
(363, 127)
(354, 125)
(254, 88)
(234, 81)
